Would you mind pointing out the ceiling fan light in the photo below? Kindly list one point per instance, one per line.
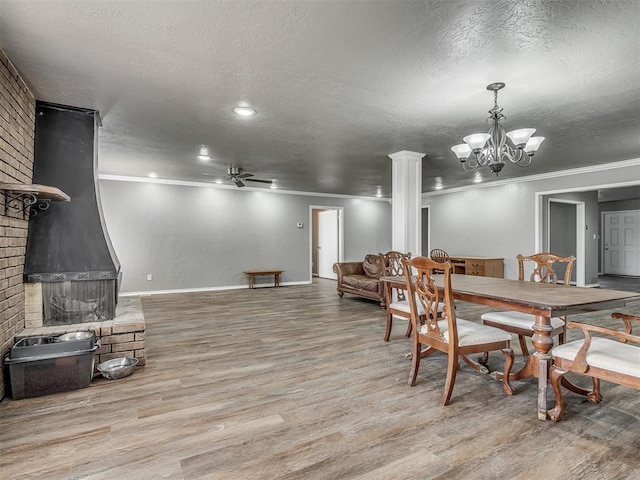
(476, 141)
(532, 145)
(462, 151)
(520, 137)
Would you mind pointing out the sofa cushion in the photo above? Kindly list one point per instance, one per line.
(373, 265)
(361, 282)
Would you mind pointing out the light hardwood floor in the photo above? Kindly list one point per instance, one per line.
(295, 383)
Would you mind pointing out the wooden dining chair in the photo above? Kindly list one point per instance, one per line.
(600, 358)
(396, 301)
(522, 323)
(439, 255)
(446, 333)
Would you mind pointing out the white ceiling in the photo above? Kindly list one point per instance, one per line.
(338, 85)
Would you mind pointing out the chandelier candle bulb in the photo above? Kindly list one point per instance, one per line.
(532, 145)
(462, 151)
(521, 137)
(476, 141)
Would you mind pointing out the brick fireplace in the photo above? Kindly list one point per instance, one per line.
(122, 336)
(72, 273)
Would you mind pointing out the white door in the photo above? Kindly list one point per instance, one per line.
(622, 243)
(327, 243)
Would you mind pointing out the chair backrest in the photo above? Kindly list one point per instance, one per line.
(423, 289)
(393, 262)
(543, 271)
(439, 255)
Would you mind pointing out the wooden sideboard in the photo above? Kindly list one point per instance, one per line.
(481, 266)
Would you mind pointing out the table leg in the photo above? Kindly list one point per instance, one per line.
(542, 342)
(277, 279)
(250, 280)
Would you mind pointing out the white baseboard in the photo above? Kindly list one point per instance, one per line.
(148, 293)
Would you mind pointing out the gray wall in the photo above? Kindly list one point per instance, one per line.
(500, 220)
(191, 237)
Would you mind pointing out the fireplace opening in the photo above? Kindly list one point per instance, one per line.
(66, 303)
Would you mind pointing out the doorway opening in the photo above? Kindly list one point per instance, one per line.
(426, 238)
(326, 240)
(566, 224)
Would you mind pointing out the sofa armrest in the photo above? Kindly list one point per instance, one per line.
(347, 268)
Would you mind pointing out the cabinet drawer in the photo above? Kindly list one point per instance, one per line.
(475, 268)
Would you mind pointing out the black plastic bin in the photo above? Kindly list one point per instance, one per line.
(43, 365)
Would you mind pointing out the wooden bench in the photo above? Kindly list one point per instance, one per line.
(253, 273)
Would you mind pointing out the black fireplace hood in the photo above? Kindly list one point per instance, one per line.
(68, 241)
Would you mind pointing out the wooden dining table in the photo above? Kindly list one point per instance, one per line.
(543, 300)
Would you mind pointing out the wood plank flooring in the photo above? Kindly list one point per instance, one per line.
(295, 383)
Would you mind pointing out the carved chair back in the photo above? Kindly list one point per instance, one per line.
(394, 267)
(543, 271)
(424, 290)
(439, 255)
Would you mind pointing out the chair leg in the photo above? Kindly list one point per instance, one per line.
(563, 334)
(476, 366)
(523, 345)
(508, 363)
(594, 396)
(484, 358)
(409, 329)
(452, 370)
(415, 364)
(555, 377)
(387, 332)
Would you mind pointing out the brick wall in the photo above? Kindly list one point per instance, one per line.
(17, 124)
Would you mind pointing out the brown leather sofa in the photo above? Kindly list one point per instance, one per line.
(363, 278)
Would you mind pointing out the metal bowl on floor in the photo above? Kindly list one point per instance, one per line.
(117, 367)
(73, 336)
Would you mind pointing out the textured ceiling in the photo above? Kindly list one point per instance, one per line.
(338, 85)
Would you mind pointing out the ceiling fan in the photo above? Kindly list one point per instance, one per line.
(238, 176)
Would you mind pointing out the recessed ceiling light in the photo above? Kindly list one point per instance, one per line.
(273, 185)
(477, 178)
(438, 183)
(244, 111)
(204, 154)
(218, 181)
(153, 175)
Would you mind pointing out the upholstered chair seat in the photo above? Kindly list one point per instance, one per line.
(470, 333)
(604, 353)
(519, 320)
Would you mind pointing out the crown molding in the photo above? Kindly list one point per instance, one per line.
(541, 176)
(186, 183)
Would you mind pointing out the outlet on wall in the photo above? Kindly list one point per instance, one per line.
(149, 277)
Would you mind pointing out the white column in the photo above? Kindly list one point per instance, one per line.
(406, 181)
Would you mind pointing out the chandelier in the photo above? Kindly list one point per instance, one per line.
(493, 149)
